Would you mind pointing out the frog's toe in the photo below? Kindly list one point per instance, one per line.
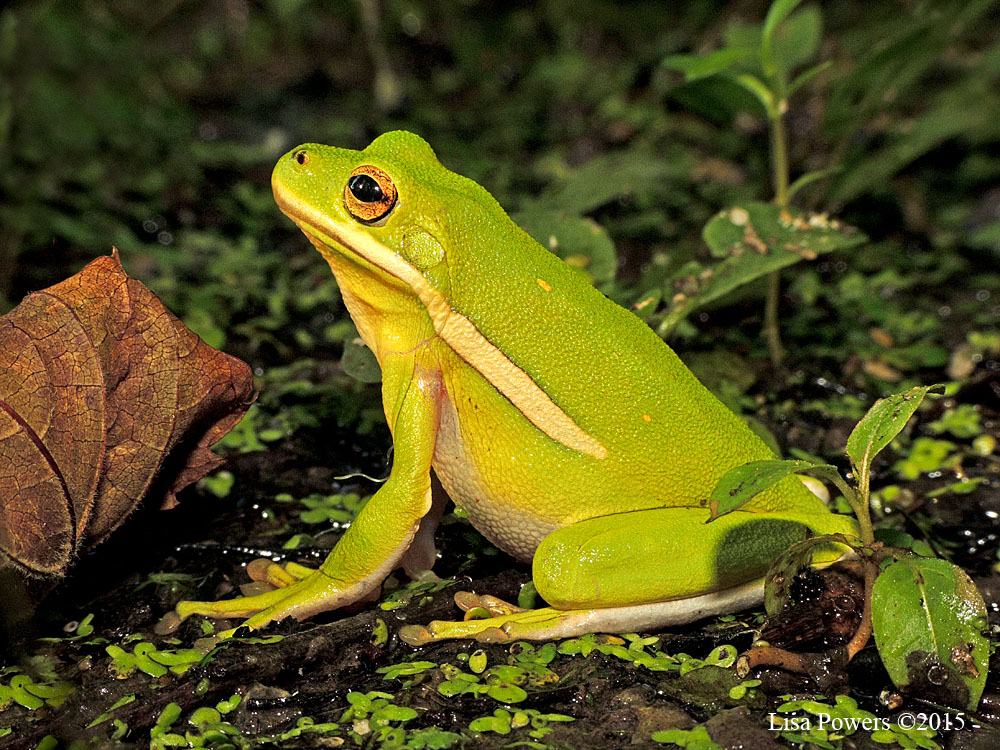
(266, 571)
(241, 606)
(415, 635)
(443, 630)
(474, 605)
(168, 623)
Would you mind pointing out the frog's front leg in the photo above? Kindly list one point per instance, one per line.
(378, 539)
(640, 571)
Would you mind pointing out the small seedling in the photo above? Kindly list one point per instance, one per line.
(926, 615)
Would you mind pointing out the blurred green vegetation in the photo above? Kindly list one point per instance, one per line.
(153, 127)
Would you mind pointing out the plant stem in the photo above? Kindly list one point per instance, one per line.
(779, 158)
(859, 504)
(779, 166)
(864, 510)
(865, 629)
(865, 530)
(772, 334)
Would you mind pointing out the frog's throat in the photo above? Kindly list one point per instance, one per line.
(457, 331)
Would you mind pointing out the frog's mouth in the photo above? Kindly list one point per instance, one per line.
(324, 233)
(455, 329)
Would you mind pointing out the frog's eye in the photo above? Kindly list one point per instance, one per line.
(369, 194)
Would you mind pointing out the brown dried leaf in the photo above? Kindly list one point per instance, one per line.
(102, 390)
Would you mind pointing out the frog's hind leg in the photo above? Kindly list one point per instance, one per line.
(641, 570)
(548, 623)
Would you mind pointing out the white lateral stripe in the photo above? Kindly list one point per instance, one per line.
(467, 341)
(514, 383)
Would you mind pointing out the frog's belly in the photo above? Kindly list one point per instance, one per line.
(500, 515)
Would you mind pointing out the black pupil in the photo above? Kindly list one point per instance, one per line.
(365, 188)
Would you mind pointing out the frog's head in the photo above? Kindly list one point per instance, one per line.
(420, 251)
(392, 210)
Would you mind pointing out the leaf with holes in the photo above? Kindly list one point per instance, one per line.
(929, 620)
(747, 242)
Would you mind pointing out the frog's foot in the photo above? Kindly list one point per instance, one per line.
(300, 598)
(549, 623)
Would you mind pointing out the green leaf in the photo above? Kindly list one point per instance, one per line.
(928, 620)
(765, 230)
(778, 12)
(499, 723)
(392, 712)
(359, 362)
(85, 627)
(451, 688)
(697, 738)
(797, 40)
(722, 656)
(752, 240)
(180, 657)
(477, 661)
(359, 701)
(745, 36)
(219, 484)
(701, 66)
(578, 240)
(740, 485)
(204, 715)
(527, 597)
(226, 706)
(879, 426)
(506, 693)
(170, 714)
(123, 701)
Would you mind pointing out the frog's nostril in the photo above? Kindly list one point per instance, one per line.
(301, 157)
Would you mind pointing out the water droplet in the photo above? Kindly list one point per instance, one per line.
(937, 675)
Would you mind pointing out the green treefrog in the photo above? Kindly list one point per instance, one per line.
(569, 433)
